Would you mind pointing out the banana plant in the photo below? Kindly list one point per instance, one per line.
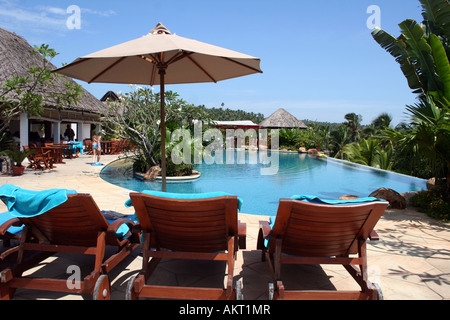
(421, 53)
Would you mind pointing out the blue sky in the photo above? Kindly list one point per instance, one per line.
(318, 57)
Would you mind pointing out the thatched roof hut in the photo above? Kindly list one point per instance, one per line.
(16, 60)
(282, 119)
(110, 96)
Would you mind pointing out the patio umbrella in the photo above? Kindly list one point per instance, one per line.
(161, 58)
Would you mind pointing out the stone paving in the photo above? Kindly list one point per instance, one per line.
(410, 262)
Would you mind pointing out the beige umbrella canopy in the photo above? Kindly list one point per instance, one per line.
(161, 58)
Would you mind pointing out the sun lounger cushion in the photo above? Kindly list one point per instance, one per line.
(28, 203)
(185, 196)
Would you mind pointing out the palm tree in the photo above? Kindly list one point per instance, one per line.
(353, 124)
(423, 54)
(432, 133)
(366, 152)
(339, 139)
(422, 50)
(383, 121)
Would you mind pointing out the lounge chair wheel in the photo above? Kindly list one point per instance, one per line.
(239, 294)
(102, 289)
(270, 291)
(379, 292)
(129, 292)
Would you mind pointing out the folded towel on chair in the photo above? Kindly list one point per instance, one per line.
(314, 199)
(29, 203)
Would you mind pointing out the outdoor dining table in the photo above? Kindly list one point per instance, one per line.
(57, 152)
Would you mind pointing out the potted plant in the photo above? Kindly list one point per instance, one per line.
(17, 156)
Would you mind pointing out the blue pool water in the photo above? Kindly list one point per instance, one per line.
(297, 174)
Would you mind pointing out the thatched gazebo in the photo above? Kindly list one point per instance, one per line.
(16, 60)
(281, 119)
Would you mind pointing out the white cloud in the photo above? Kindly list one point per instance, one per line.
(16, 17)
(27, 17)
(106, 13)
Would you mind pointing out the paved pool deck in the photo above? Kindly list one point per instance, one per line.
(411, 261)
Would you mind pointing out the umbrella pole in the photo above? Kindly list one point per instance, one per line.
(162, 72)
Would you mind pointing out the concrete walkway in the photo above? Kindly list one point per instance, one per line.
(411, 261)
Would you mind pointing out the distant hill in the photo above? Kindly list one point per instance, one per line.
(332, 125)
(221, 114)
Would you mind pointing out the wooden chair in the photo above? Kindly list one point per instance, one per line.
(87, 146)
(194, 229)
(39, 159)
(310, 233)
(76, 226)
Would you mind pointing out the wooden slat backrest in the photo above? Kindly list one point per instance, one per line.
(75, 222)
(315, 230)
(188, 225)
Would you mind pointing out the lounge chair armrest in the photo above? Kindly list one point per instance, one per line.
(115, 225)
(263, 234)
(11, 222)
(242, 234)
(265, 228)
(374, 236)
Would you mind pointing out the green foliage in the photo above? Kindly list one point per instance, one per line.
(353, 124)
(6, 141)
(422, 50)
(434, 203)
(17, 156)
(425, 143)
(137, 117)
(369, 152)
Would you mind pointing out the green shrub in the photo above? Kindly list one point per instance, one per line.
(435, 203)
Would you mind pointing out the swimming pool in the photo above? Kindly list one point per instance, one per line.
(298, 173)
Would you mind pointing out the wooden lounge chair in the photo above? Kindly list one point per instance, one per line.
(75, 226)
(311, 233)
(191, 229)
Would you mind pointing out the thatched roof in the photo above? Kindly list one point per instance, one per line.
(282, 119)
(110, 96)
(16, 60)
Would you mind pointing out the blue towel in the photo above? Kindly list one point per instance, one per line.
(24, 203)
(27, 203)
(77, 145)
(314, 199)
(111, 216)
(185, 196)
(5, 216)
